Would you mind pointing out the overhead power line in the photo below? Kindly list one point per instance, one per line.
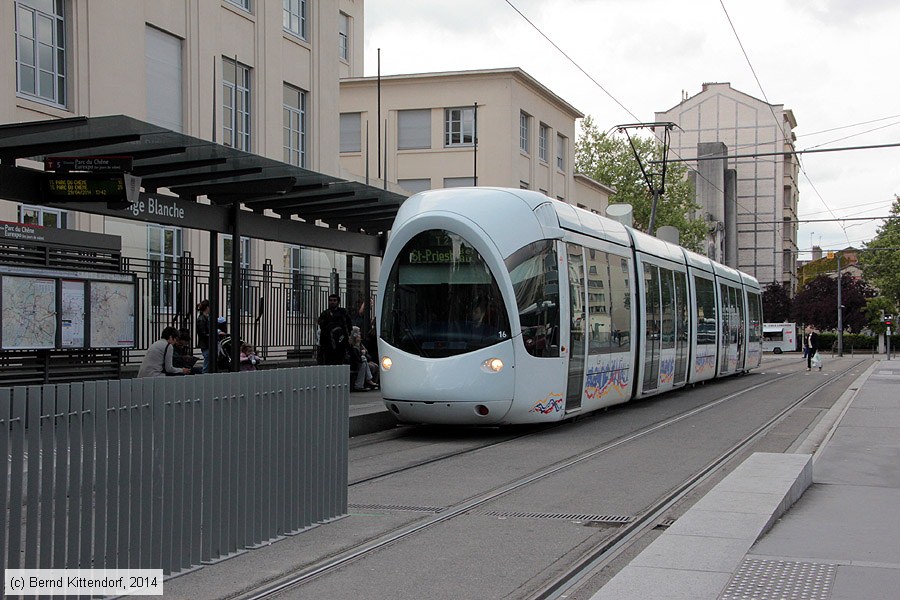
(783, 153)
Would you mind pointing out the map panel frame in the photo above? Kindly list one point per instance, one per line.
(104, 325)
(29, 320)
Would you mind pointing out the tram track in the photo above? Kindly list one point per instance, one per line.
(612, 547)
(589, 563)
(532, 430)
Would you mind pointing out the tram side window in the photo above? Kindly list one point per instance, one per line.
(739, 314)
(599, 302)
(729, 318)
(534, 272)
(681, 317)
(620, 303)
(667, 291)
(706, 310)
(681, 309)
(754, 312)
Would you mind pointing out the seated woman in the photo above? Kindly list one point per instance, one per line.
(359, 356)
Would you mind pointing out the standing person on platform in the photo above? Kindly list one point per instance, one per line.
(334, 333)
(203, 332)
(811, 341)
(158, 360)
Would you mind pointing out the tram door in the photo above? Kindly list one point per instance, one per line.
(577, 317)
(651, 328)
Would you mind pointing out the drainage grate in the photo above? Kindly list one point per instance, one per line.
(665, 524)
(780, 580)
(424, 509)
(564, 516)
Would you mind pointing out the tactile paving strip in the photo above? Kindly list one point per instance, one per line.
(780, 580)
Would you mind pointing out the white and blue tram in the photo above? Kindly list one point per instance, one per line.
(502, 306)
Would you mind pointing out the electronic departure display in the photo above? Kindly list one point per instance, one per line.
(84, 187)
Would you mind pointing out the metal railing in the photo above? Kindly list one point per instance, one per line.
(169, 472)
(279, 308)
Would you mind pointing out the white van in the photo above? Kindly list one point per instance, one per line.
(779, 337)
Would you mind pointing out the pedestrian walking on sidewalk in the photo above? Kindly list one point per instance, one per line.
(811, 342)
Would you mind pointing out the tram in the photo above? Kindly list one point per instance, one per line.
(502, 306)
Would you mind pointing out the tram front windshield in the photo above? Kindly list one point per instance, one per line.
(441, 299)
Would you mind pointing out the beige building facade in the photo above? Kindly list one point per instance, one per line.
(259, 76)
(430, 122)
(750, 203)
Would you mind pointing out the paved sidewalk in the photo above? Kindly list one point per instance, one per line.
(839, 541)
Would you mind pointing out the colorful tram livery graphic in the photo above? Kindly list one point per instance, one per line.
(613, 377)
(667, 371)
(552, 403)
(703, 364)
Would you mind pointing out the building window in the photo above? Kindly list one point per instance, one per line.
(294, 126)
(524, 132)
(351, 132)
(163, 252)
(294, 267)
(560, 152)
(543, 142)
(163, 65)
(344, 36)
(459, 126)
(242, 4)
(294, 17)
(41, 50)
(413, 129)
(235, 105)
(43, 216)
(452, 182)
(414, 186)
(246, 284)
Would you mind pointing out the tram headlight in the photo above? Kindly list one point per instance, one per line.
(492, 365)
(386, 363)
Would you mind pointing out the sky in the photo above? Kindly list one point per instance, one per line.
(832, 62)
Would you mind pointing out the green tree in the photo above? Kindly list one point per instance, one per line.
(611, 161)
(882, 267)
(776, 303)
(816, 303)
(876, 308)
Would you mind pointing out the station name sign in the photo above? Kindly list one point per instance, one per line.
(89, 164)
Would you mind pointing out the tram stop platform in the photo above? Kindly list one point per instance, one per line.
(821, 523)
(368, 413)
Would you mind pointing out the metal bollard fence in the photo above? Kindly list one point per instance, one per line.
(169, 472)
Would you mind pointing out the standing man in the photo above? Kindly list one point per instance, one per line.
(334, 333)
(811, 341)
(158, 360)
(203, 332)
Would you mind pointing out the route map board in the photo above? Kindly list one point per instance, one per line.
(50, 308)
(112, 314)
(29, 313)
(73, 314)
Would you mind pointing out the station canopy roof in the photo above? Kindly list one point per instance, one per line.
(190, 168)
